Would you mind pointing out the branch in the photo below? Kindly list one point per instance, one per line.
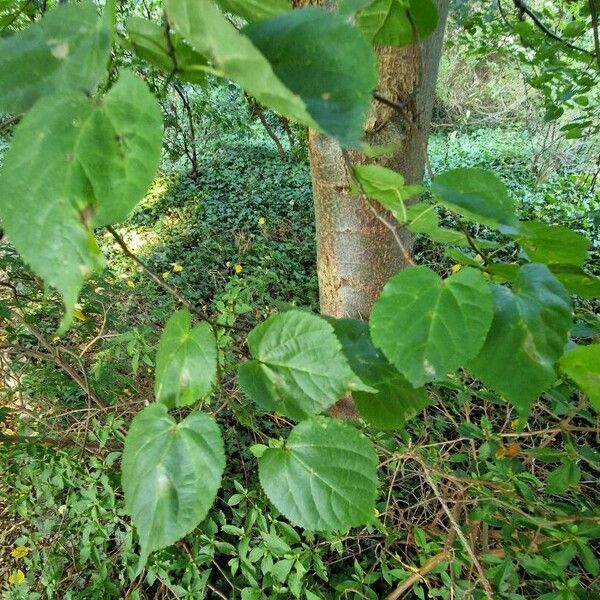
(391, 226)
(164, 285)
(520, 4)
(594, 9)
(461, 536)
(419, 574)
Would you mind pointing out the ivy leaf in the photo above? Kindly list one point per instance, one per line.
(582, 365)
(388, 188)
(395, 22)
(74, 164)
(326, 61)
(186, 362)
(148, 40)
(528, 334)
(478, 195)
(170, 474)
(207, 30)
(553, 244)
(67, 50)
(324, 478)
(298, 368)
(427, 326)
(397, 401)
(255, 10)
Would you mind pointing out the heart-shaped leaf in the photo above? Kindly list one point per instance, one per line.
(76, 163)
(298, 369)
(186, 362)
(582, 365)
(478, 195)
(327, 62)
(67, 50)
(324, 478)
(528, 334)
(170, 474)
(427, 326)
(396, 400)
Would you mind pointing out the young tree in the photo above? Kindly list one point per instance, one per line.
(359, 247)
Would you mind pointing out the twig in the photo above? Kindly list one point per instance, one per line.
(79, 379)
(520, 4)
(255, 109)
(594, 9)
(418, 575)
(391, 226)
(461, 536)
(165, 286)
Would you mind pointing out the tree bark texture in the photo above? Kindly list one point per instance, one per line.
(357, 253)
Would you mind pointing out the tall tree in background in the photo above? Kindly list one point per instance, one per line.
(357, 252)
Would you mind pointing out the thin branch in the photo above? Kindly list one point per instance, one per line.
(418, 575)
(389, 225)
(165, 286)
(461, 536)
(594, 10)
(400, 107)
(10, 121)
(522, 6)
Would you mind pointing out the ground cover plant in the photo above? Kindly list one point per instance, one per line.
(165, 426)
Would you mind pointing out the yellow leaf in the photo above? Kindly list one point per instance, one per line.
(262, 221)
(177, 268)
(130, 283)
(456, 268)
(16, 577)
(165, 275)
(78, 314)
(8, 432)
(20, 552)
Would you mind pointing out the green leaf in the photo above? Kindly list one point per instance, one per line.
(324, 478)
(148, 40)
(186, 362)
(74, 164)
(397, 22)
(397, 401)
(170, 474)
(553, 244)
(207, 30)
(423, 219)
(582, 365)
(528, 334)
(349, 7)
(588, 558)
(577, 281)
(67, 50)
(255, 10)
(326, 61)
(563, 477)
(298, 368)
(478, 195)
(427, 326)
(387, 187)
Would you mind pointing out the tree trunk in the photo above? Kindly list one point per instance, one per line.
(356, 253)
